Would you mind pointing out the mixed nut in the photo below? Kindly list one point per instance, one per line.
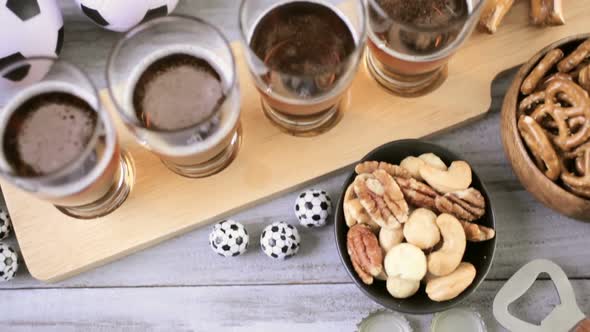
(410, 223)
(554, 117)
(542, 12)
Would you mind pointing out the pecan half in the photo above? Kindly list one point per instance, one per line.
(417, 193)
(393, 196)
(468, 204)
(382, 198)
(365, 253)
(477, 233)
(373, 203)
(372, 166)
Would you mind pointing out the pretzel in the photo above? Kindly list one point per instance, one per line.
(558, 75)
(580, 165)
(493, 13)
(536, 75)
(575, 58)
(531, 102)
(579, 184)
(538, 143)
(584, 78)
(547, 12)
(574, 123)
(563, 90)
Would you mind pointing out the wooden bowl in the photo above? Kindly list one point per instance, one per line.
(548, 192)
(480, 254)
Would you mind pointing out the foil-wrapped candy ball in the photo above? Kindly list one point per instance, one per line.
(5, 224)
(280, 240)
(229, 238)
(8, 262)
(313, 207)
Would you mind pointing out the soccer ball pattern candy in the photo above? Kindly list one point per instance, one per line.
(122, 15)
(5, 224)
(29, 28)
(280, 240)
(229, 238)
(8, 262)
(313, 207)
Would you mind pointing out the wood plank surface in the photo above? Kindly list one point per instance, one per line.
(262, 169)
(286, 308)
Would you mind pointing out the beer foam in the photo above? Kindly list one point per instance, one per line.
(66, 180)
(48, 132)
(179, 143)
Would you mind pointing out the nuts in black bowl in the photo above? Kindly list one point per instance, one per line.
(415, 235)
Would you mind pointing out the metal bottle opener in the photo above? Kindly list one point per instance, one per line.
(566, 316)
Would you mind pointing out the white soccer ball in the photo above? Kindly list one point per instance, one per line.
(5, 224)
(280, 240)
(29, 28)
(229, 238)
(313, 207)
(122, 15)
(8, 262)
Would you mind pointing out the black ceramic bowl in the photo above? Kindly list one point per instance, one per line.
(479, 254)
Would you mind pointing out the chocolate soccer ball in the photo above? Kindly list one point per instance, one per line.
(280, 240)
(5, 224)
(229, 238)
(8, 262)
(313, 207)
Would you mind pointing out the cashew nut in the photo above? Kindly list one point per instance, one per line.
(402, 288)
(405, 261)
(390, 237)
(433, 160)
(421, 229)
(457, 177)
(353, 210)
(450, 286)
(348, 196)
(412, 165)
(449, 256)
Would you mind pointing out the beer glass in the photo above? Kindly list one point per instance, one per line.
(303, 56)
(173, 82)
(410, 42)
(60, 144)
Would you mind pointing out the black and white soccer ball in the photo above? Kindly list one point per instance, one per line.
(122, 15)
(280, 240)
(8, 262)
(5, 224)
(229, 238)
(28, 28)
(313, 207)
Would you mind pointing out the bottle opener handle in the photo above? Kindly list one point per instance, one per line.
(564, 317)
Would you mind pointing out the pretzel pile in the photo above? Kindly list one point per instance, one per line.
(542, 12)
(554, 117)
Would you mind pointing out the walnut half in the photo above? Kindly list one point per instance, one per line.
(365, 253)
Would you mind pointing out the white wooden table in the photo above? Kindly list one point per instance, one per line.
(182, 285)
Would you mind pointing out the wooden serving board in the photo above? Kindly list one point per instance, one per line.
(163, 204)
